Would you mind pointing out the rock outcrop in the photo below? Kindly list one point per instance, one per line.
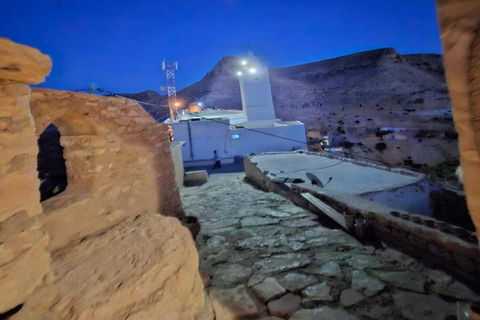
(460, 29)
(24, 260)
(22, 64)
(142, 268)
(104, 248)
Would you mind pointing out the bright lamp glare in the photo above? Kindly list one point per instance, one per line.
(252, 70)
(200, 104)
(176, 104)
(244, 62)
(239, 73)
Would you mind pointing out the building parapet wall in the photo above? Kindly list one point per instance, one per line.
(431, 246)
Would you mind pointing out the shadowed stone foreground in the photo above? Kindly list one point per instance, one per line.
(269, 259)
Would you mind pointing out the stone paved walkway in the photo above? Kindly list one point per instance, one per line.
(267, 257)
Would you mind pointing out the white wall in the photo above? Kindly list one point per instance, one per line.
(176, 152)
(256, 93)
(207, 136)
(254, 141)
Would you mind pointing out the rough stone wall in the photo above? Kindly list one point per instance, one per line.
(142, 268)
(459, 22)
(24, 260)
(118, 163)
(100, 250)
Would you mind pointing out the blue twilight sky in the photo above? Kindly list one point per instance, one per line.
(119, 44)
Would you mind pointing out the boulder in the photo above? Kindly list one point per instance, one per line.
(143, 268)
(22, 63)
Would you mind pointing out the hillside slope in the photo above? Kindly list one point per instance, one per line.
(359, 101)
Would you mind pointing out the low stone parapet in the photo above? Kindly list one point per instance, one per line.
(457, 255)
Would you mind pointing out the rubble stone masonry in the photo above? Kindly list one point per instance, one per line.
(104, 248)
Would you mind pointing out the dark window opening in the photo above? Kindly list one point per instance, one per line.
(52, 171)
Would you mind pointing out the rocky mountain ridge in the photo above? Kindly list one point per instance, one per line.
(358, 101)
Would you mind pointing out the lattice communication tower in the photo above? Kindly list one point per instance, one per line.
(169, 67)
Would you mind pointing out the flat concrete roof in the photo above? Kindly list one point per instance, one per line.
(347, 177)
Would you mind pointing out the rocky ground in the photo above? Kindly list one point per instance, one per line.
(269, 259)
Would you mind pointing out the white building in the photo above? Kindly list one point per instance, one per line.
(235, 133)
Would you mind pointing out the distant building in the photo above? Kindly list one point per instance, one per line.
(234, 133)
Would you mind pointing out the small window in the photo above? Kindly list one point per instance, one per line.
(52, 171)
(235, 136)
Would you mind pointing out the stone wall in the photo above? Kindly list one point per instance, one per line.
(99, 250)
(24, 260)
(459, 22)
(435, 248)
(118, 163)
(142, 268)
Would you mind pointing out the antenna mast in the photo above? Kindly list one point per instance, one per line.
(169, 67)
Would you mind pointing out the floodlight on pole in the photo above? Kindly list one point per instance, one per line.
(244, 62)
(239, 73)
(252, 70)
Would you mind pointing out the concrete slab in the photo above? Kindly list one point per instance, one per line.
(347, 177)
(195, 178)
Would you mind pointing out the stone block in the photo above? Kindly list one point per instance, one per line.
(416, 306)
(17, 234)
(123, 121)
(195, 178)
(282, 262)
(404, 279)
(350, 297)
(268, 289)
(366, 284)
(23, 275)
(22, 64)
(235, 303)
(317, 292)
(143, 268)
(231, 274)
(285, 306)
(13, 144)
(295, 282)
(14, 201)
(323, 313)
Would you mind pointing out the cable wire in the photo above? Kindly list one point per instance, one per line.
(355, 155)
(301, 142)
